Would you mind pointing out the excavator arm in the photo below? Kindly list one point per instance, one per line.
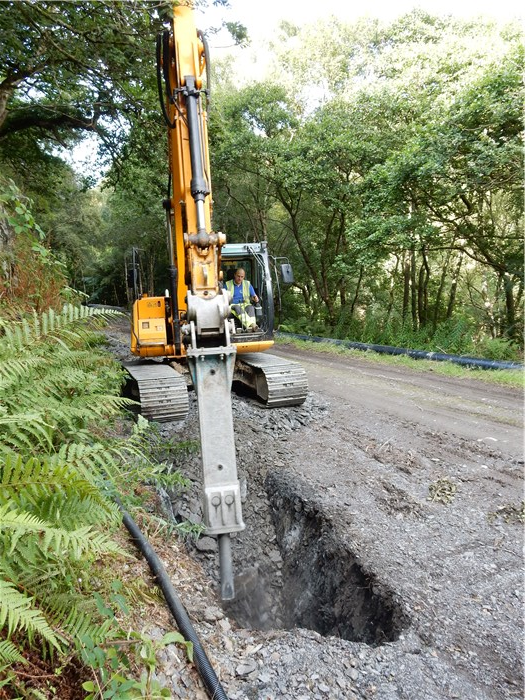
(192, 323)
(195, 251)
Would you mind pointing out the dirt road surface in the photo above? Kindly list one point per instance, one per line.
(420, 476)
(382, 556)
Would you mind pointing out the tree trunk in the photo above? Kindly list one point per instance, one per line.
(151, 276)
(422, 291)
(413, 289)
(439, 294)
(391, 295)
(318, 280)
(357, 290)
(406, 288)
(5, 94)
(454, 288)
(510, 329)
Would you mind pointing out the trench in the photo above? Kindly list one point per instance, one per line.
(318, 582)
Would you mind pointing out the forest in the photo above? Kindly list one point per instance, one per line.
(383, 160)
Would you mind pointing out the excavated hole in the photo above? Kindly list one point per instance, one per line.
(318, 584)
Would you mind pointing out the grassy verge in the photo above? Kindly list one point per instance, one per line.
(514, 378)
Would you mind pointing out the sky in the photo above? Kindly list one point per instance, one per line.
(261, 18)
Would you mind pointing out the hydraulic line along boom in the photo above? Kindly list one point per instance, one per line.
(192, 324)
(211, 357)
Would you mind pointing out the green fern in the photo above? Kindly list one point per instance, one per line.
(45, 486)
(81, 618)
(52, 391)
(58, 542)
(9, 654)
(44, 363)
(53, 326)
(16, 610)
(58, 472)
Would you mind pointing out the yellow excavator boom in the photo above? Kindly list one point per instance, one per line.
(193, 321)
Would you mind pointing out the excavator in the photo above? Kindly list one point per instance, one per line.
(188, 336)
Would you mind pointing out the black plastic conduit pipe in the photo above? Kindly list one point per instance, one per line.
(416, 354)
(202, 663)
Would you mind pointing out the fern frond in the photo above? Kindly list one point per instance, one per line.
(106, 461)
(16, 610)
(78, 618)
(49, 324)
(9, 654)
(29, 481)
(24, 431)
(14, 369)
(55, 540)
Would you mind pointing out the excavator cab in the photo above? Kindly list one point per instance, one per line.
(253, 258)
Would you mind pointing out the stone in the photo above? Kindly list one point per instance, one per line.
(245, 668)
(206, 544)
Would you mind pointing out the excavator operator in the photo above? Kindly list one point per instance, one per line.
(242, 293)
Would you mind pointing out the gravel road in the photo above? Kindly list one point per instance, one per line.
(382, 555)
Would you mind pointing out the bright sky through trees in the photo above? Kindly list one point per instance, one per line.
(262, 18)
(262, 21)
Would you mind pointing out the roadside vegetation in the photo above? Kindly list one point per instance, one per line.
(67, 452)
(387, 170)
(507, 377)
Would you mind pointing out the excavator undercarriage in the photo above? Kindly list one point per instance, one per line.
(162, 388)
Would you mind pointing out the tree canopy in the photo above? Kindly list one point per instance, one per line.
(401, 171)
(384, 160)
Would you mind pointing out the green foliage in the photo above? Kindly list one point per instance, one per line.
(509, 377)
(108, 661)
(16, 613)
(50, 390)
(30, 274)
(72, 67)
(51, 510)
(16, 211)
(59, 473)
(498, 349)
(394, 187)
(384, 160)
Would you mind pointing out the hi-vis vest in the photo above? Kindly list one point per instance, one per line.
(230, 286)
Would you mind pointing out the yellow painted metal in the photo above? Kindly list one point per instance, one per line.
(149, 336)
(253, 346)
(199, 268)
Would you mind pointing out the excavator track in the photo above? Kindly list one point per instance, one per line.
(277, 381)
(162, 391)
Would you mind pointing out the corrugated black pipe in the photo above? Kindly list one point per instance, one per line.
(202, 663)
(416, 354)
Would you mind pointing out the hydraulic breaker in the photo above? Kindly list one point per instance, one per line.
(212, 373)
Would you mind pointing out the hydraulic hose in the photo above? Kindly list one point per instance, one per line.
(202, 663)
(207, 92)
(161, 53)
(416, 354)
